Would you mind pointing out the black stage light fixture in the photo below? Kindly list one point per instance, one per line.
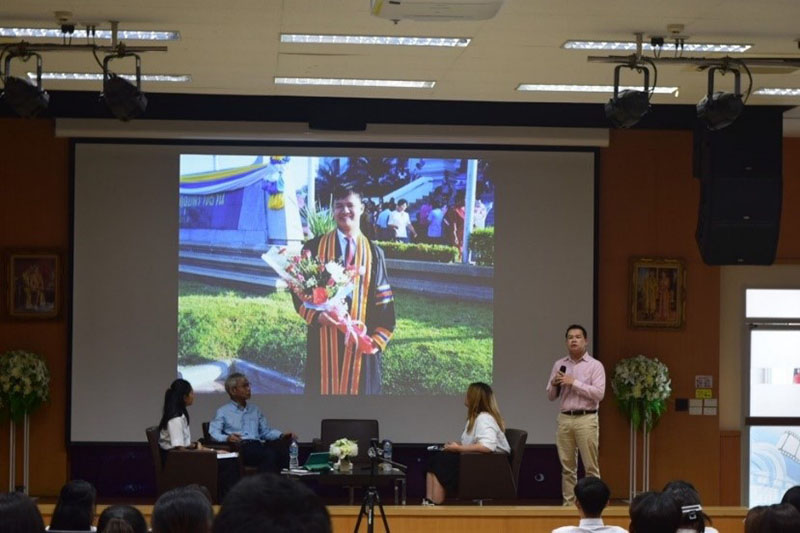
(125, 100)
(719, 109)
(627, 107)
(26, 99)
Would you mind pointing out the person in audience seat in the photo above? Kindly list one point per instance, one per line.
(655, 512)
(75, 507)
(792, 496)
(19, 514)
(267, 503)
(591, 497)
(484, 433)
(182, 510)
(115, 518)
(693, 519)
(778, 518)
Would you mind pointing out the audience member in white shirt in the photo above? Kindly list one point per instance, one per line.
(693, 519)
(591, 497)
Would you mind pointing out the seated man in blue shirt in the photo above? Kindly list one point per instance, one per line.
(245, 425)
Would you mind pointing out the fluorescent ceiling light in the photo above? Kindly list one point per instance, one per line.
(554, 88)
(630, 46)
(81, 33)
(778, 91)
(98, 76)
(346, 82)
(447, 42)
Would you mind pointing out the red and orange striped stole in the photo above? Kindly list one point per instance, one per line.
(340, 375)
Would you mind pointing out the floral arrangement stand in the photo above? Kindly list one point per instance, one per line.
(344, 449)
(24, 385)
(642, 387)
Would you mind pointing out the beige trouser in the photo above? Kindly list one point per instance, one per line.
(577, 433)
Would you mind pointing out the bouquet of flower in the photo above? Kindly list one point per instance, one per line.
(24, 383)
(642, 387)
(344, 449)
(321, 287)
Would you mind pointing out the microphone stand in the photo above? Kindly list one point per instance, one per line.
(371, 495)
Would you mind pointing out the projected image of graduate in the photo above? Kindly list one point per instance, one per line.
(411, 239)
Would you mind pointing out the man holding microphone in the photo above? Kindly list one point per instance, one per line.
(578, 381)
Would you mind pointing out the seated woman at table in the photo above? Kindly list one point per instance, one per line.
(176, 435)
(174, 425)
(484, 433)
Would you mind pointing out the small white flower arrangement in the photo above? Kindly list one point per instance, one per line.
(24, 383)
(344, 449)
(642, 387)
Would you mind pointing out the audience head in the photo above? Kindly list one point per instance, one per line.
(402, 203)
(179, 395)
(75, 507)
(592, 495)
(692, 515)
(772, 519)
(267, 503)
(19, 514)
(238, 387)
(182, 510)
(480, 399)
(792, 496)
(116, 517)
(654, 512)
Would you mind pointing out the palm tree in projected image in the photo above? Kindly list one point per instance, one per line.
(373, 176)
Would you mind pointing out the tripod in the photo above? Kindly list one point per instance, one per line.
(371, 497)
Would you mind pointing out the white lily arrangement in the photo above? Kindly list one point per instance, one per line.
(24, 383)
(344, 448)
(642, 387)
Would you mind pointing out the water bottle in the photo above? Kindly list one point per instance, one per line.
(387, 453)
(294, 451)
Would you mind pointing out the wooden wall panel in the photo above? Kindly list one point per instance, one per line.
(34, 203)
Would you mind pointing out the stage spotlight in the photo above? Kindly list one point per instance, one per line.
(627, 107)
(27, 100)
(125, 100)
(720, 109)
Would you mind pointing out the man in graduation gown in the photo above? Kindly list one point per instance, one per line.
(353, 367)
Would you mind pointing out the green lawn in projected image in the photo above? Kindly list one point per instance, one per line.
(439, 346)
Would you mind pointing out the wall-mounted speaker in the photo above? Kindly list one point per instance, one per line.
(740, 169)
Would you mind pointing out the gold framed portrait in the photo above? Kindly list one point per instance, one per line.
(657, 293)
(33, 284)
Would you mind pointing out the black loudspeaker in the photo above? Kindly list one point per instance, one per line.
(740, 169)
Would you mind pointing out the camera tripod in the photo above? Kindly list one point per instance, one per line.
(371, 495)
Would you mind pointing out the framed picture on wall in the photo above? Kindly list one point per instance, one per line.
(33, 284)
(657, 293)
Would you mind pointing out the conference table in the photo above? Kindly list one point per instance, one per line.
(359, 477)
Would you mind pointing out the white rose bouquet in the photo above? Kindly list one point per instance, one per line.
(642, 387)
(24, 383)
(344, 449)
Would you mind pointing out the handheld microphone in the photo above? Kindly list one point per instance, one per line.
(558, 387)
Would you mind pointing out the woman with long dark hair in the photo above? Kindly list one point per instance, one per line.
(175, 433)
(174, 423)
(75, 508)
(484, 433)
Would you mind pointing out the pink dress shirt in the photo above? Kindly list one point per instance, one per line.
(589, 386)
